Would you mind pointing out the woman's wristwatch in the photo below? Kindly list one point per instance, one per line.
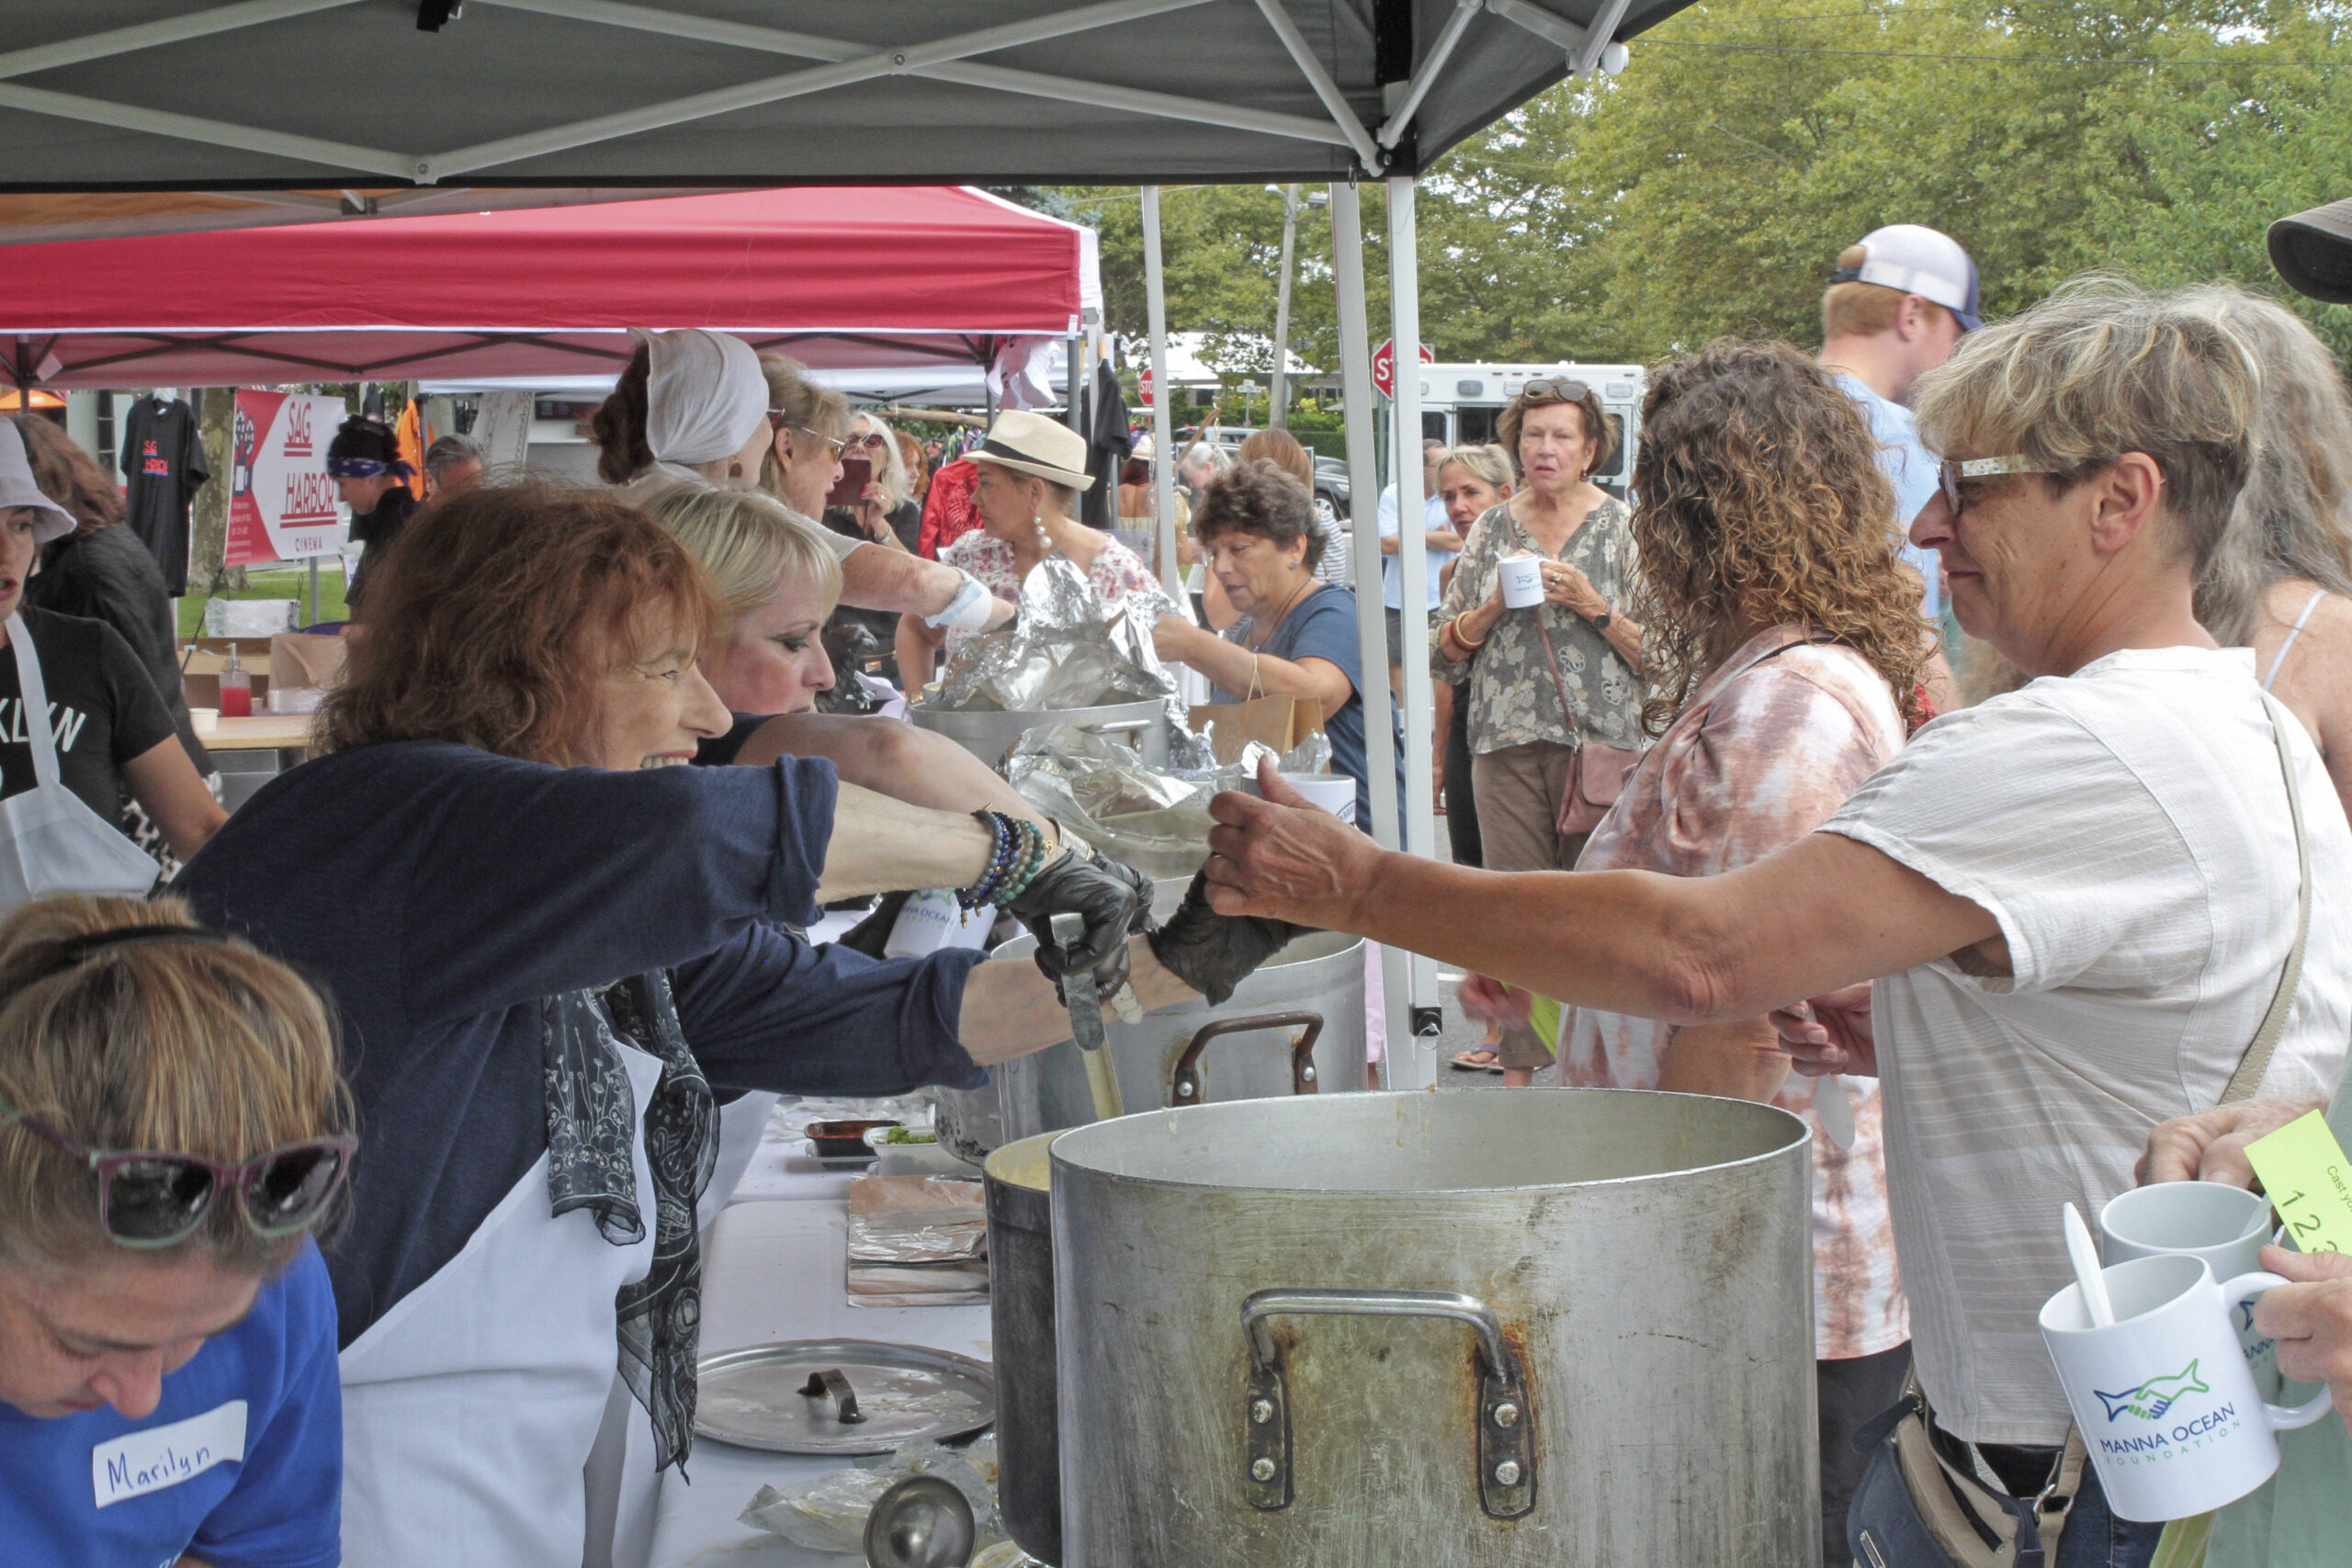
(1601, 622)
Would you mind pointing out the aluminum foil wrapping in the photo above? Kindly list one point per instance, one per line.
(1158, 822)
(1070, 648)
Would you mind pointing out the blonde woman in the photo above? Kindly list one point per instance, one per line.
(886, 516)
(168, 1387)
(2282, 581)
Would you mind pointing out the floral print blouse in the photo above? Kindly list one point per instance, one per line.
(1512, 697)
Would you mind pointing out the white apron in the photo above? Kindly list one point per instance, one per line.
(470, 1409)
(50, 842)
(623, 1485)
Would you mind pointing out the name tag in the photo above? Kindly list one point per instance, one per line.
(165, 1456)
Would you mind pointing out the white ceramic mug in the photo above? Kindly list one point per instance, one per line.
(2162, 1397)
(2224, 1225)
(1334, 793)
(1523, 579)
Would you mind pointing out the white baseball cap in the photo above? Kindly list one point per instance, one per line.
(1922, 261)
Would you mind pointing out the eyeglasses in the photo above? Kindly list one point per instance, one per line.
(779, 421)
(148, 1199)
(1559, 388)
(1952, 471)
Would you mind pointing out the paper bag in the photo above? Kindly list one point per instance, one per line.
(1279, 723)
(305, 659)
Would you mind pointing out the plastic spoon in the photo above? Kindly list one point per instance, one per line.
(1832, 1102)
(2087, 1270)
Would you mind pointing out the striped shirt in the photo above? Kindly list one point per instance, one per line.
(2127, 827)
(1760, 755)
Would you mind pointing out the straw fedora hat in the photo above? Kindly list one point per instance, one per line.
(1033, 444)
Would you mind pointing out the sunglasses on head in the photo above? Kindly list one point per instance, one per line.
(1556, 388)
(1952, 471)
(148, 1199)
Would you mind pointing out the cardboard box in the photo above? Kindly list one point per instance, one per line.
(202, 662)
(305, 659)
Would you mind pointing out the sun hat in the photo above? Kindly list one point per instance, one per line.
(2313, 251)
(18, 488)
(1922, 261)
(1033, 444)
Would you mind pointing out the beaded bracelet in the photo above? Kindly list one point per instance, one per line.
(1019, 852)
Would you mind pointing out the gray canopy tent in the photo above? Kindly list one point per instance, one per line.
(361, 95)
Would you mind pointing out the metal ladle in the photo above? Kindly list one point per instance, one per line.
(923, 1522)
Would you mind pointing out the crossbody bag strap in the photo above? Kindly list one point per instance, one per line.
(32, 702)
(2248, 1078)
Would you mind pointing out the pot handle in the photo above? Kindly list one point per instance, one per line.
(1188, 1085)
(1130, 729)
(1506, 1432)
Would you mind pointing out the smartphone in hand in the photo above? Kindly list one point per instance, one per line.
(857, 474)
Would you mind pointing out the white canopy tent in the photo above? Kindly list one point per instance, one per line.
(310, 95)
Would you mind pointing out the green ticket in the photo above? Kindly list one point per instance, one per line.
(2309, 1180)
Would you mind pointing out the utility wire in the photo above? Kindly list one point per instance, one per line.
(1986, 59)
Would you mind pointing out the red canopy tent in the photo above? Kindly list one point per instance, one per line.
(837, 277)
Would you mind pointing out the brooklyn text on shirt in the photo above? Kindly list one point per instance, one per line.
(148, 1461)
(64, 723)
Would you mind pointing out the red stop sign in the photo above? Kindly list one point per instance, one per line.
(1384, 365)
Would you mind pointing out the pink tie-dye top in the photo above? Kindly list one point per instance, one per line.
(1763, 753)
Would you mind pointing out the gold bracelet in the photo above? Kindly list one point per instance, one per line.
(1454, 625)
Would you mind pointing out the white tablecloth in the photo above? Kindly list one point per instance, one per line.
(773, 1271)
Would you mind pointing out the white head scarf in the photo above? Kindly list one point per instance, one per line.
(704, 398)
(18, 488)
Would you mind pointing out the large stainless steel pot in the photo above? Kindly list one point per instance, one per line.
(1567, 1326)
(1295, 1027)
(988, 735)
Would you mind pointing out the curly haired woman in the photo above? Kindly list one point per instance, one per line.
(1784, 634)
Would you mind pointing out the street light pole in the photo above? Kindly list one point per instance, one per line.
(1278, 389)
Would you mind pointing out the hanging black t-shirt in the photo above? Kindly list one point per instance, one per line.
(163, 461)
(1105, 426)
(103, 709)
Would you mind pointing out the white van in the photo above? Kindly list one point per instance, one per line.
(1460, 403)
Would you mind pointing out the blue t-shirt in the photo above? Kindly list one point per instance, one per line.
(1324, 627)
(241, 1464)
(1910, 467)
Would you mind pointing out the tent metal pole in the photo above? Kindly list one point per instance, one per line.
(1278, 387)
(1163, 427)
(1371, 625)
(1412, 577)
(1076, 419)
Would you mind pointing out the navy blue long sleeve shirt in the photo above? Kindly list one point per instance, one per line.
(435, 893)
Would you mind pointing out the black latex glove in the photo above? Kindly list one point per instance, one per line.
(1107, 894)
(1214, 953)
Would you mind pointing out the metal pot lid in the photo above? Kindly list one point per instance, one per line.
(792, 1397)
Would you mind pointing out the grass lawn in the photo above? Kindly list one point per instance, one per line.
(275, 583)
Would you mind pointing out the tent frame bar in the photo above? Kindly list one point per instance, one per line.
(1030, 84)
(154, 35)
(1334, 101)
(1465, 13)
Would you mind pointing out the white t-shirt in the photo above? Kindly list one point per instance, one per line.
(2128, 828)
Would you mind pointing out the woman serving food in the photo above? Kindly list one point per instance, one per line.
(551, 948)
